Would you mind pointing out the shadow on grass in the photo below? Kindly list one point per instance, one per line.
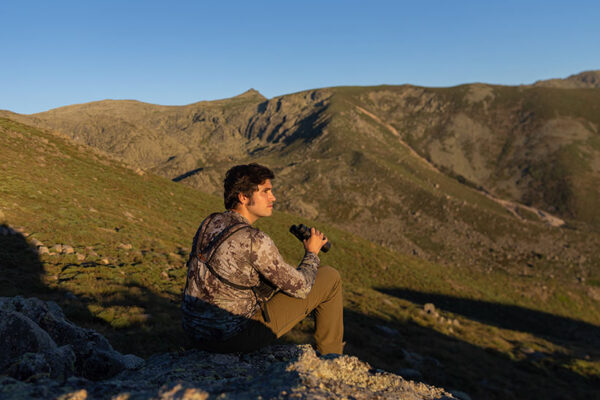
(394, 345)
(159, 329)
(574, 334)
(423, 354)
(20, 266)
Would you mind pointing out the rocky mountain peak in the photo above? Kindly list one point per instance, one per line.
(250, 94)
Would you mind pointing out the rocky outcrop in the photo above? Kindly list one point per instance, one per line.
(37, 341)
(42, 355)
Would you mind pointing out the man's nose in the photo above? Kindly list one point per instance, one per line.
(273, 197)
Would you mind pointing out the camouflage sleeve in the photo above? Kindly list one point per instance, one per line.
(267, 260)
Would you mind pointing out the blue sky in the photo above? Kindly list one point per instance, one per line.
(55, 53)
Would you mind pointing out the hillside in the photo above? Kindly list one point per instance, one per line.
(469, 175)
(111, 245)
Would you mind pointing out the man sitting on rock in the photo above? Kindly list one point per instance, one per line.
(240, 294)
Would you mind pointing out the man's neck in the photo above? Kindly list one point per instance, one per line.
(244, 213)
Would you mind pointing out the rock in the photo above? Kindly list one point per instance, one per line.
(36, 243)
(105, 261)
(66, 249)
(43, 250)
(57, 248)
(127, 246)
(80, 257)
(20, 335)
(90, 252)
(387, 330)
(429, 308)
(57, 364)
(70, 296)
(36, 327)
(132, 361)
(460, 395)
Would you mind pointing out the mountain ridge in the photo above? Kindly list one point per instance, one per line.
(535, 149)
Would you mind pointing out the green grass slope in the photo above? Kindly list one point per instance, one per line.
(492, 335)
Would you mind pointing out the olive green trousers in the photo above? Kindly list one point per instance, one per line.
(325, 299)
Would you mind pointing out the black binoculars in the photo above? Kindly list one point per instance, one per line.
(302, 232)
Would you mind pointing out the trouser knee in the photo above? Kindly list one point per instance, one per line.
(329, 274)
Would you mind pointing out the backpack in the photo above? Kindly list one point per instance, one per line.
(262, 292)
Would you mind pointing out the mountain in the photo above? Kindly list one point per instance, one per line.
(108, 243)
(475, 175)
(586, 79)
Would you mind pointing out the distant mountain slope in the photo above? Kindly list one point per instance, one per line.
(109, 244)
(408, 167)
(586, 79)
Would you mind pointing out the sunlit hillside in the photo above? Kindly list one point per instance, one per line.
(497, 334)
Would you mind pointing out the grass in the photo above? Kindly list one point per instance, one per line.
(135, 232)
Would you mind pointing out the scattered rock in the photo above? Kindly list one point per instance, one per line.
(36, 243)
(105, 261)
(139, 171)
(460, 395)
(57, 248)
(43, 250)
(66, 249)
(429, 308)
(70, 296)
(91, 252)
(127, 246)
(387, 330)
(80, 257)
(20, 230)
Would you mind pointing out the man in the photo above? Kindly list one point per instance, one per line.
(240, 294)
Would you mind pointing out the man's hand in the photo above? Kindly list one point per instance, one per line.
(315, 242)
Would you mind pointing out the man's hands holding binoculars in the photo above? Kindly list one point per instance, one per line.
(314, 240)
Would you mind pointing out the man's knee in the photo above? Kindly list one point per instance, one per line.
(329, 274)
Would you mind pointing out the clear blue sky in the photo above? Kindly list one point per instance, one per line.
(56, 53)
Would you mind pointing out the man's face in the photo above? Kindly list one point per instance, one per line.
(261, 202)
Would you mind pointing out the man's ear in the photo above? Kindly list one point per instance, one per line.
(243, 199)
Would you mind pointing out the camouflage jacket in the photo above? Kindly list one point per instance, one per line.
(214, 310)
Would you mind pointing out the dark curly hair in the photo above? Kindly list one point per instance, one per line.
(244, 179)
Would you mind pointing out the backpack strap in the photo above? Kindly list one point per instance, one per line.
(208, 252)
